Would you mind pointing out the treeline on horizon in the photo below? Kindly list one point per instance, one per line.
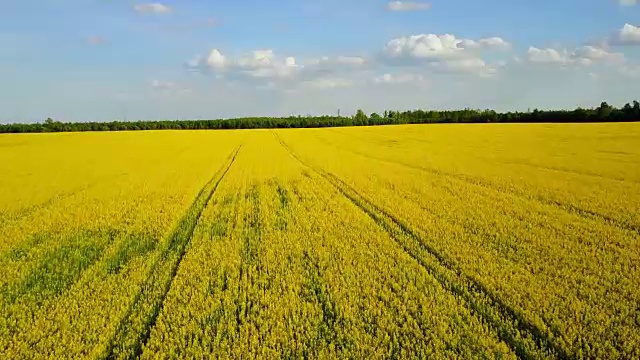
(603, 113)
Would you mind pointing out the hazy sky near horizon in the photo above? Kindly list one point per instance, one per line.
(95, 60)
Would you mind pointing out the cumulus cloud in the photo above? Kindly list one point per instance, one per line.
(547, 56)
(266, 67)
(585, 55)
(471, 66)
(259, 64)
(407, 6)
(153, 8)
(588, 55)
(430, 52)
(434, 47)
(445, 53)
(216, 60)
(423, 47)
(494, 43)
(264, 64)
(628, 35)
(628, 2)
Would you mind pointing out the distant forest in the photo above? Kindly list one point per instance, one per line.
(603, 113)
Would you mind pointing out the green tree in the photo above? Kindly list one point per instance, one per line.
(360, 118)
(604, 111)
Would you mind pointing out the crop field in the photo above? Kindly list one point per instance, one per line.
(395, 242)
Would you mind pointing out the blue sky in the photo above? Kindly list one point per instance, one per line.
(111, 59)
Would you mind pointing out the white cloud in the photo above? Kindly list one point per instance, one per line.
(628, 2)
(588, 55)
(628, 35)
(547, 56)
(265, 65)
(437, 47)
(424, 46)
(407, 6)
(585, 55)
(475, 66)
(290, 61)
(257, 59)
(216, 60)
(259, 64)
(399, 79)
(494, 43)
(153, 8)
(445, 53)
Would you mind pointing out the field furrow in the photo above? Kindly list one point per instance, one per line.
(85, 259)
(135, 327)
(523, 337)
(282, 284)
(567, 206)
(515, 247)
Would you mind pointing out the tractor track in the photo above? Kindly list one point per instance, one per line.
(134, 328)
(523, 337)
(475, 181)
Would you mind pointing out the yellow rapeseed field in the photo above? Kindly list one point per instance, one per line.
(427, 241)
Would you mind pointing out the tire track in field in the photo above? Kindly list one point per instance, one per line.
(134, 329)
(328, 330)
(473, 180)
(332, 327)
(524, 338)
